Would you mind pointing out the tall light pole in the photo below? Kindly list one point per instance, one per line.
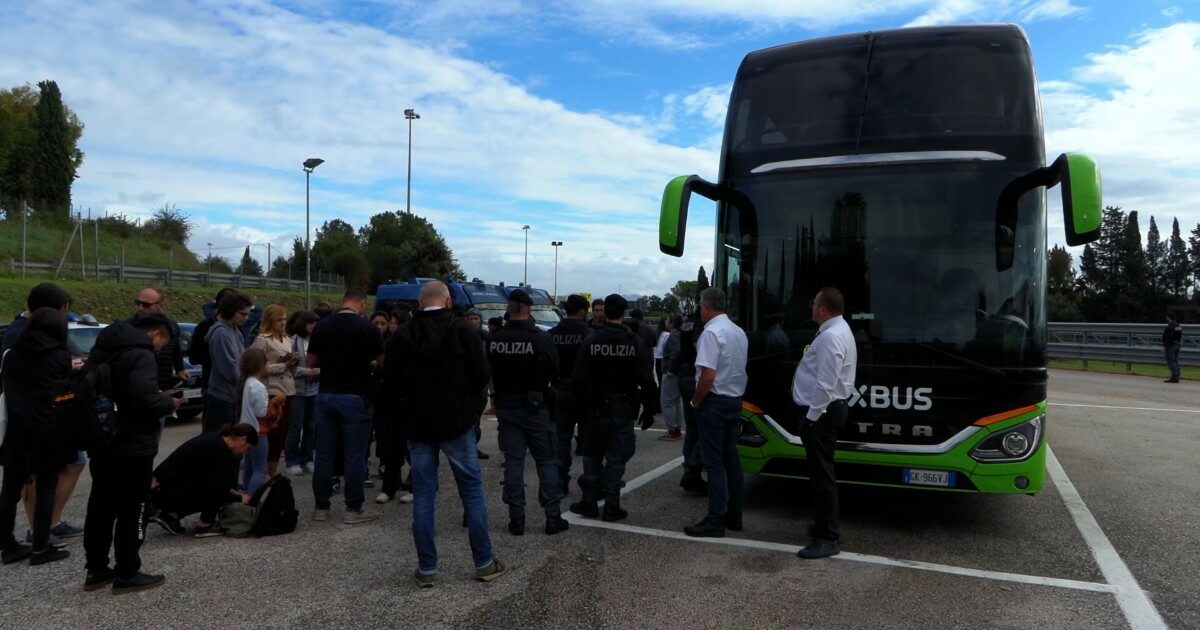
(556, 245)
(208, 273)
(309, 165)
(411, 115)
(526, 282)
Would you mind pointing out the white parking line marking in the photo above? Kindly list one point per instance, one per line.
(1125, 408)
(650, 476)
(1139, 610)
(1036, 580)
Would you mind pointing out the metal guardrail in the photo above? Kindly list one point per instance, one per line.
(1119, 343)
(124, 273)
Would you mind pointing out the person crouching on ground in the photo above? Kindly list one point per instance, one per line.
(201, 476)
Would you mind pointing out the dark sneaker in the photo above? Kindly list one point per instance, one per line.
(556, 524)
(694, 485)
(705, 529)
(646, 421)
(1171, 380)
(613, 512)
(16, 554)
(733, 521)
(52, 554)
(482, 455)
(169, 523)
(54, 541)
(819, 549)
(425, 580)
(208, 530)
(586, 508)
(99, 579)
(66, 530)
(139, 582)
(516, 526)
(491, 571)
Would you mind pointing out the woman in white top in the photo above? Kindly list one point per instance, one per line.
(281, 386)
(663, 335)
(252, 409)
(302, 432)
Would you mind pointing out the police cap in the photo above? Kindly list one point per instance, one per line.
(520, 296)
(576, 303)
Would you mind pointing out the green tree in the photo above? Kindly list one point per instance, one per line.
(1178, 266)
(170, 224)
(1194, 256)
(336, 249)
(686, 293)
(217, 264)
(56, 158)
(249, 266)
(281, 267)
(1156, 259)
(399, 245)
(702, 280)
(1101, 267)
(18, 138)
(1060, 271)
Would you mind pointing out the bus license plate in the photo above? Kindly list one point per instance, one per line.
(915, 477)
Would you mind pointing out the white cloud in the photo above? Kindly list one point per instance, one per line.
(1049, 10)
(1129, 108)
(1172, 12)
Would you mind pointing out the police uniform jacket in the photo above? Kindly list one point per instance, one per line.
(612, 361)
(568, 336)
(523, 359)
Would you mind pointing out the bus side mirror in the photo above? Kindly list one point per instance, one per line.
(672, 219)
(1081, 197)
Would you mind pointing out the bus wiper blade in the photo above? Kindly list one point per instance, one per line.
(962, 360)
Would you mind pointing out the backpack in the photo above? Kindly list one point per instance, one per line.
(85, 409)
(275, 508)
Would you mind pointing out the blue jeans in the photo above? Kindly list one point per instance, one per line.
(464, 463)
(1172, 352)
(302, 432)
(720, 422)
(254, 466)
(347, 416)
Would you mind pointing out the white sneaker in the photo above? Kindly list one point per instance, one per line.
(407, 497)
(294, 471)
(382, 497)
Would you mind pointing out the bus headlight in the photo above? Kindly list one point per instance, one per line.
(1014, 444)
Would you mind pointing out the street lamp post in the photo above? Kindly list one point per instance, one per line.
(309, 165)
(208, 272)
(411, 115)
(556, 245)
(526, 282)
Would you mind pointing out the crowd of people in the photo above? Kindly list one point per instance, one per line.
(316, 389)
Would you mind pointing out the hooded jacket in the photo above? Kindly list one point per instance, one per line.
(437, 368)
(35, 370)
(130, 357)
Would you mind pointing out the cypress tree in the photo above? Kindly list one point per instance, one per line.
(1178, 266)
(55, 158)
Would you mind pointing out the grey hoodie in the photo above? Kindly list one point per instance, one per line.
(225, 347)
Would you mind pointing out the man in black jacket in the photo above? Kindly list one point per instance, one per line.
(121, 471)
(1172, 339)
(201, 476)
(152, 301)
(612, 366)
(524, 361)
(436, 366)
(568, 335)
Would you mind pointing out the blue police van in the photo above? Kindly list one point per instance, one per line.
(488, 299)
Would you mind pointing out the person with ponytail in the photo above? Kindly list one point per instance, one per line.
(200, 477)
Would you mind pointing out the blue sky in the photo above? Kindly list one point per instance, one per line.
(568, 116)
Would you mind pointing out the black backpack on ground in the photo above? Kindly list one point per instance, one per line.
(274, 508)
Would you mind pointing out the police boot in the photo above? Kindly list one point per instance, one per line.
(556, 524)
(585, 508)
(613, 512)
(516, 526)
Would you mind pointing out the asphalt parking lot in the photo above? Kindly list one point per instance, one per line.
(1112, 542)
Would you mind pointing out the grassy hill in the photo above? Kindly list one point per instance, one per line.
(109, 301)
(45, 243)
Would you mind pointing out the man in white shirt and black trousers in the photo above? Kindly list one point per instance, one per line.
(823, 383)
(720, 383)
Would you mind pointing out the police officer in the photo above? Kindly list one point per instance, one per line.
(523, 361)
(568, 335)
(612, 368)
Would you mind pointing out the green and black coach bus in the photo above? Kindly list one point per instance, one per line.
(907, 168)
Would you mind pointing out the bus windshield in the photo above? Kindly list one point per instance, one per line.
(910, 246)
(974, 90)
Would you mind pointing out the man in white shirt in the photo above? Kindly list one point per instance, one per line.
(720, 383)
(821, 386)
